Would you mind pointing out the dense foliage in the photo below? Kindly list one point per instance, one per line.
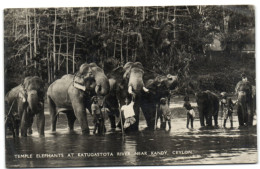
(51, 42)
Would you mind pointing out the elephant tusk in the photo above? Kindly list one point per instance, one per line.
(145, 89)
(97, 89)
(130, 90)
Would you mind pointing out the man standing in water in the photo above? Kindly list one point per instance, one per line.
(98, 117)
(128, 113)
(188, 108)
(166, 113)
(226, 105)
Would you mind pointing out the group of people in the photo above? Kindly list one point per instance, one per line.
(226, 107)
(163, 112)
(127, 112)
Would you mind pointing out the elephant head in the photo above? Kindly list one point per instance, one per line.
(34, 88)
(94, 78)
(134, 75)
(169, 81)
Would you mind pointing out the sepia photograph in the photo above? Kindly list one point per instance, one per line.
(129, 86)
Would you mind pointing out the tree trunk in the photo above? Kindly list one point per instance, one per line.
(73, 55)
(35, 38)
(48, 63)
(67, 50)
(54, 44)
(59, 52)
(30, 38)
(143, 13)
(26, 59)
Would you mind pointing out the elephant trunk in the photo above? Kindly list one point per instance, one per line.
(102, 84)
(136, 83)
(33, 101)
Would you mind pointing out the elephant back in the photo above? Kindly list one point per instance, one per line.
(13, 94)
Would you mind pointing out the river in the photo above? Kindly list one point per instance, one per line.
(177, 146)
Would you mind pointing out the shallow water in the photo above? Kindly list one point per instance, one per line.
(178, 146)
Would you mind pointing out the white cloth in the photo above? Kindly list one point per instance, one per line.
(128, 110)
(192, 112)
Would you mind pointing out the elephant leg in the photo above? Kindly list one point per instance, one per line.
(40, 120)
(209, 120)
(10, 125)
(16, 124)
(135, 126)
(216, 120)
(71, 119)
(240, 115)
(245, 114)
(53, 114)
(112, 120)
(201, 115)
(250, 113)
(149, 111)
(205, 118)
(251, 116)
(30, 122)
(81, 115)
(101, 127)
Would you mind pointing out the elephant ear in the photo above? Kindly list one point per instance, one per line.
(159, 80)
(83, 70)
(93, 64)
(95, 68)
(138, 65)
(128, 66)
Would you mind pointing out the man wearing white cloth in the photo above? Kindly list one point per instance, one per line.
(128, 113)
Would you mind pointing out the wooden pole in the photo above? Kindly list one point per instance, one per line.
(121, 120)
(155, 124)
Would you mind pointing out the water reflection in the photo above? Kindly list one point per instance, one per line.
(145, 147)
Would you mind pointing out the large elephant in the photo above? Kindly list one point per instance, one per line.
(208, 105)
(159, 86)
(72, 94)
(125, 82)
(245, 103)
(24, 102)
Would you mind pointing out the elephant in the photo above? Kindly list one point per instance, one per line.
(208, 106)
(245, 103)
(159, 86)
(71, 94)
(125, 82)
(23, 103)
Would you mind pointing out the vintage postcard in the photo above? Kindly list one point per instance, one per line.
(130, 86)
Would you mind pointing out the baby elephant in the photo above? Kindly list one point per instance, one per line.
(208, 105)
